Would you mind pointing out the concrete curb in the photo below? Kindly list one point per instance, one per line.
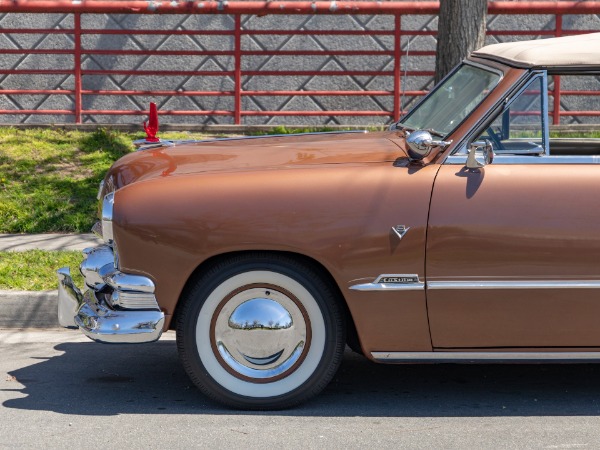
(28, 309)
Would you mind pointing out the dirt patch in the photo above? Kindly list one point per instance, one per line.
(73, 169)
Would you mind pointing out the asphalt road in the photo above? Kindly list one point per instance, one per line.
(59, 390)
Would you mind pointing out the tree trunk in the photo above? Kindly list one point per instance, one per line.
(461, 30)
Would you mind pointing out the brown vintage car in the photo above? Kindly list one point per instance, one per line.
(464, 233)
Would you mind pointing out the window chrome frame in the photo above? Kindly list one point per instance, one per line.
(459, 155)
(529, 159)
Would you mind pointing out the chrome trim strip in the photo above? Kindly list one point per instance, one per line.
(406, 285)
(466, 357)
(529, 159)
(528, 284)
(545, 113)
(107, 217)
(142, 145)
(388, 287)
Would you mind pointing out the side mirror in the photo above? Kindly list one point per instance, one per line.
(488, 154)
(420, 143)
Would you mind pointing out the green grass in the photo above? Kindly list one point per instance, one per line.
(575, 134)
(49, 178)
(35, 270)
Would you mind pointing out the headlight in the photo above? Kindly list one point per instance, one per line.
(107, 216)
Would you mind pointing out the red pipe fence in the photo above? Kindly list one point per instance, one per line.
(237, 9)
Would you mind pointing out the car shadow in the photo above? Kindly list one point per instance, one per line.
(95, 379)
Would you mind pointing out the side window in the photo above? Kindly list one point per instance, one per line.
(574, 111)
(519, 128)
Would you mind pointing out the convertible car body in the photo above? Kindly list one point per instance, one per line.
(463, 233)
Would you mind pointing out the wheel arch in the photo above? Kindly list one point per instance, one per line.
(351, 332)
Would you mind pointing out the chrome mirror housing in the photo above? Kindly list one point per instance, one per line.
(420, 143)
(487, 152)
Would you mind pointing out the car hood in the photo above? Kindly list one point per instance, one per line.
(255, 153)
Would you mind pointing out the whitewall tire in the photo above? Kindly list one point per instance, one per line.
(260, 331)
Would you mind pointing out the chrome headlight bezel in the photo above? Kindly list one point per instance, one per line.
(107, 217)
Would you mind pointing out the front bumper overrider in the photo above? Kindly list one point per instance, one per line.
(116, 308)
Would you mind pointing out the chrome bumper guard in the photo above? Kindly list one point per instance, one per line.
(117, 307)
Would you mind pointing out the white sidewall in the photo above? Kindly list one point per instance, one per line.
(260, 390)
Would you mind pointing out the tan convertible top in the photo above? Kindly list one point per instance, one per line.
(572, 51)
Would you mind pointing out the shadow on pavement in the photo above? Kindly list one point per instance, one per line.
(96, 379)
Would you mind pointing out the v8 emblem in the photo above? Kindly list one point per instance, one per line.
(400, 230)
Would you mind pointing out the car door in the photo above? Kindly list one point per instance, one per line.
(513, 248)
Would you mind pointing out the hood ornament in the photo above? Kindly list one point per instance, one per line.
(151, 125)
(151, 128)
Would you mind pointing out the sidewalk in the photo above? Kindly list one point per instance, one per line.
(47, 241)
(34, 309)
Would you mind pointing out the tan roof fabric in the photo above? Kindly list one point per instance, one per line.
(572, 51)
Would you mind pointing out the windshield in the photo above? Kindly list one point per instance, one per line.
(450, 102)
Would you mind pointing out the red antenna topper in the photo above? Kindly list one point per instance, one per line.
(151, 125)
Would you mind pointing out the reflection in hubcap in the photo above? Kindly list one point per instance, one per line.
(260, 333)
(260, 313)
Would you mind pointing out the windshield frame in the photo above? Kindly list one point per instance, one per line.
(500, 73)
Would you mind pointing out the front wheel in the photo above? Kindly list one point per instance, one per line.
(260, 331)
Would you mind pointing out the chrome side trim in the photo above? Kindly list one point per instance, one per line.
(143, 145)
(392, 282)
(411, 283)
(526, 284)
(473, 357)
(107, 217)
(529, 159)
(545, 113)
(388, 287)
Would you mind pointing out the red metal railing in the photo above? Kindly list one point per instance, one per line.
(238, 74)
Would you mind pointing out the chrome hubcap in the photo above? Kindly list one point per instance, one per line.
(260, 333)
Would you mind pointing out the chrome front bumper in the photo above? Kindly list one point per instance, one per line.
(116, 308)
